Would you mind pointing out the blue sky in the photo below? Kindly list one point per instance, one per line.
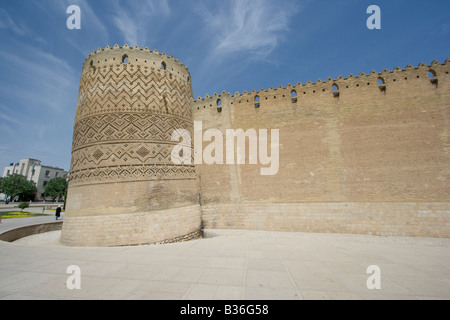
(231, 45)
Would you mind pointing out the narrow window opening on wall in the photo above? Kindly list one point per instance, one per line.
(219, 105)
(125, 59)
(433, 77)
(381, 84)
(257, 102)
(163, 65)
(335, 90)
(294, 96)
(431, 74)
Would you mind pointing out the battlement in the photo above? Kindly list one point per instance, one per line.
(134, 56)
(433, 73)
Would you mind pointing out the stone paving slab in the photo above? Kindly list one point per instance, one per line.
(231, 265)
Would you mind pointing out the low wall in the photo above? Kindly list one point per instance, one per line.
(159, 226)
(412, 219)
(15, 234)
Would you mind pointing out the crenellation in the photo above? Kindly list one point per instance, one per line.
(138, 57)
(360, 82)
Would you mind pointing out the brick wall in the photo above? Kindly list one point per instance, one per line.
(132, 228)
(420, 219)
(370, 145)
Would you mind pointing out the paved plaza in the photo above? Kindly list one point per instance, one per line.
(227, 265)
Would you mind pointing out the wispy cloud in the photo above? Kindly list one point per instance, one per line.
(133, 18)
(38, 95)
(251, 26)
(46, 81)
(6, 22)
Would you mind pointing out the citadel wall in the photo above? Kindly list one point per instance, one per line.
(365, 154)
(370, 157)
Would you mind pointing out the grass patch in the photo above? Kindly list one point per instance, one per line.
(18, 214)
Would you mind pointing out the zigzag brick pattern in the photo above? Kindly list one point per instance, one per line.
(125, 117)
(124, 188)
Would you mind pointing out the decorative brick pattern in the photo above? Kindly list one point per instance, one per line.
(122, 174)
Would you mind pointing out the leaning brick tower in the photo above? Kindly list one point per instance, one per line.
(124, 189)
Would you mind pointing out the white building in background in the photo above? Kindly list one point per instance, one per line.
(34, 171)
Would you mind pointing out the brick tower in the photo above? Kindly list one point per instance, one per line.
(124, 189)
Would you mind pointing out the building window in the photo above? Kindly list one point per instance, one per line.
(294, 96)
(257, 102)
(381, 84)
(335, 90)
(56, 175)
(433, 77)
(47, 174)
(8, 172)
(45, 183)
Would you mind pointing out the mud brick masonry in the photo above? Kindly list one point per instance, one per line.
(365, 154)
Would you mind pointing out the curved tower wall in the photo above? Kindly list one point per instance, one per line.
(124, 189)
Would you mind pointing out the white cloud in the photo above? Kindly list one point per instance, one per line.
(38, 98)
(6, 22)
(47, 79)
(126, 24)
(251, 26)
(132, 18)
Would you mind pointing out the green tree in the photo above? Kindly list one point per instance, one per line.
(17, 185)
(56, 188)
(23, 205)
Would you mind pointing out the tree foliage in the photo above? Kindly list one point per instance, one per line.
(17, 185)
(56, 188)
(23, 205)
